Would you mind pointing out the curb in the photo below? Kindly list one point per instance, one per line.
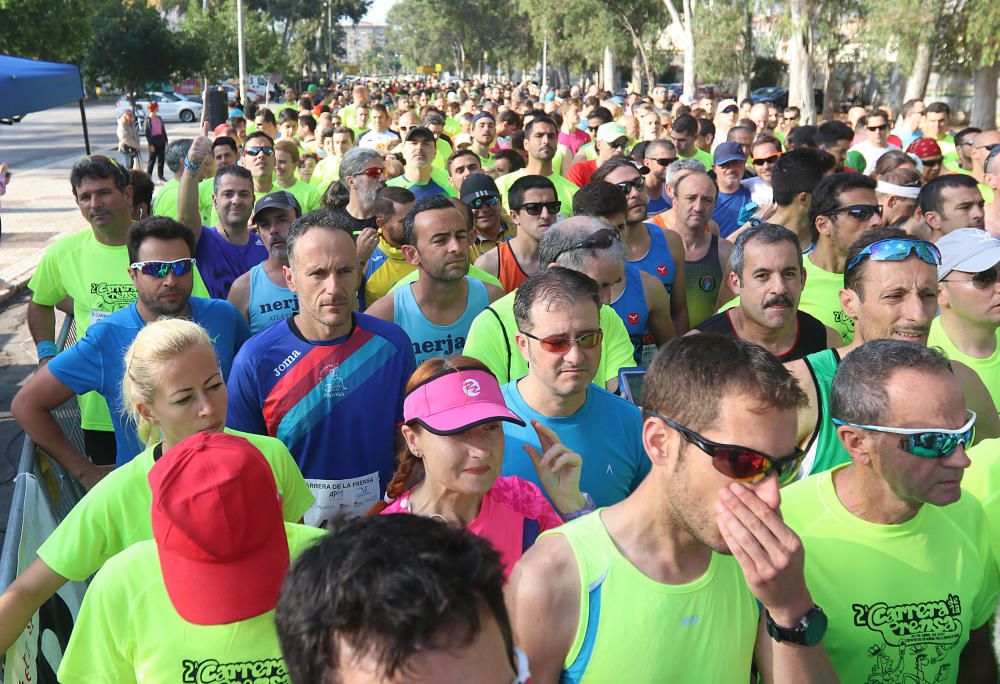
(11, 290)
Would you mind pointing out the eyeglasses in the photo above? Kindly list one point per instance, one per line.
(535, 208)
(600, 239)
(628, 186)
(931, 162)
(257, 150)
(878, 128)
(897, 249)
(619, 144)
(988, 148)
(557, 344)
(983, 280)
(766, 160)
(926, 442)
(490, 201)
(740, 462)
(160, 269)
(372, 172)
(665, 161)
(858, 212)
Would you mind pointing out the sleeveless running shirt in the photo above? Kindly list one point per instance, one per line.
(704, 278)
(511, 275)
(810, 335)
(655, 632)
(658, 262)
(269, 303)
(430, 340)
(631, 307)
(825, 450)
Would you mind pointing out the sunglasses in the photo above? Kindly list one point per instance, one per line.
(372, 172)
(926, 442)
(160, 269)
(988, 148)
(259, 149)
(983, 280)
(601, 239)
(490, 201)
(628, 186)
(619, 144)
(766, 160)
(897, 249)
(665, 161)
(932, 162)
(535, 208)
(740, 462)
(858, 212)
(557, 344)
(878, 128)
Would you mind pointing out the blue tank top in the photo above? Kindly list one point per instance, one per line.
(430, 340)
(631, 307)
(658, 262)
(269, 303)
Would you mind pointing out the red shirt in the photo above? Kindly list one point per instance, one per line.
(580, 172)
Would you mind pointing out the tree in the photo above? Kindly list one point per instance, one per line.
(53, 31)
(801, 78)
(136, 48)
(724, 48)
(684, 19)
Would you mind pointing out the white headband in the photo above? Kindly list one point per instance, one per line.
(907, 191)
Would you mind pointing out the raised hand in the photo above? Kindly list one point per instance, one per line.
(558, 469)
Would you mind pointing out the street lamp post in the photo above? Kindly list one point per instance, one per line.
(242, 56)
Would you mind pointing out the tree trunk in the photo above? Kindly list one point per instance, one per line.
(800, 68)
(743, 88)
(644, 69)
(829, 85)
(916, 83)
(685, 24)
(984, 105)
(608, 71)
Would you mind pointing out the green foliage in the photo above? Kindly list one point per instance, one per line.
(211, 38)
(720, 48)
(53, 31)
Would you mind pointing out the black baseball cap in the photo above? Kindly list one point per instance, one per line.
(478, 185)
(282, 199)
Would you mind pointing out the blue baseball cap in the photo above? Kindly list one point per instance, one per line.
(727, 152)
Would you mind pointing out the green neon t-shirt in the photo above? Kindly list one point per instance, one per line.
(129, 631)
(115, 513)
(982, 480)
(987, 369)
(165, 201)
(821, 299)
(491, 340)
(900, 599)
(307, 196)
(565, 189)
(701, 155)
(96, 276)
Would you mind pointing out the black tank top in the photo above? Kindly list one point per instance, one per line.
(703, 277)
(811, 334)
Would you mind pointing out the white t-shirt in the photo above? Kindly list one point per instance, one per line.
(760, 192)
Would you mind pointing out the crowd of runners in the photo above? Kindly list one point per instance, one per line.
(421, 382)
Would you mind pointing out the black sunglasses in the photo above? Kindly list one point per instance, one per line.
(535, 208)
(858, 212)
(982, 280)
(256, 150)
(665, 161)
(878, 128)
(601, 239)
(628, 186)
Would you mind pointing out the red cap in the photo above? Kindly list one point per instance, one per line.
(219, 530)
(925, 148)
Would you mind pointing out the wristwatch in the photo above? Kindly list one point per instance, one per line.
(808, 632)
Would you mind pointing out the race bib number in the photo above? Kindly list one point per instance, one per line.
(336, 498)
(96, 316)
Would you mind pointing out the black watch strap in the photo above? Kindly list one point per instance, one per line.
(809, 631)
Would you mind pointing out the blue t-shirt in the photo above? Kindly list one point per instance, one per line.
(221, 262)
(606, 432)
(335, 404)
(727, 210)
(660, 204)
(96, 363)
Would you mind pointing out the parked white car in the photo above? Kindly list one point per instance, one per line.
(172, 107)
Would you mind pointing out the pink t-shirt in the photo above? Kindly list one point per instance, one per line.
(513, 514)
(575, 140)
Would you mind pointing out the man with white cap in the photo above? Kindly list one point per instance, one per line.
(611, 141)
(199, 597)
(969, 298)
(726, 115)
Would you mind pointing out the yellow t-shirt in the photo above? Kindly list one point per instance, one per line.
(900, 599)
(565, 189)
(129, 631)
(115, 513)
(821, 299)
(384, 269)
(988, 369)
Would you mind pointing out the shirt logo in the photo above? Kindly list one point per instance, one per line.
(333, 384)
(633, 318)
(471, 388)
(661, 269)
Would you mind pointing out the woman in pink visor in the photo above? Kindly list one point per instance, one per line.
(450, 466)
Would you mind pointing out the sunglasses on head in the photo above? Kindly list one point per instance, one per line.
(535, 208)
(160, 269)
(983, 280)
(858, 212)
(558, 344)
(766, 160)
(665, 161)
(489, 201)
(600, 239)
(628, 186)
(372, 172)
(898, 249)
(259, 149)
(878, 128)
(926, 442)
(740, 462)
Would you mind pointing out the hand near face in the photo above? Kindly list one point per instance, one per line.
(558, 469)
(367, 241)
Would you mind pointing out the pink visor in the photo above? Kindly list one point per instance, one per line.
(456, 400)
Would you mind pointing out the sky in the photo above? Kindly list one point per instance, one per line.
(377, 11)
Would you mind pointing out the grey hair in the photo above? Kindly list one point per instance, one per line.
(557, 243)
(858, 394)
(766, 234)
(675, 169)
(355, 161)
(176, 151)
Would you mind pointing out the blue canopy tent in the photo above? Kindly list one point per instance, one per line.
(28, 85)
